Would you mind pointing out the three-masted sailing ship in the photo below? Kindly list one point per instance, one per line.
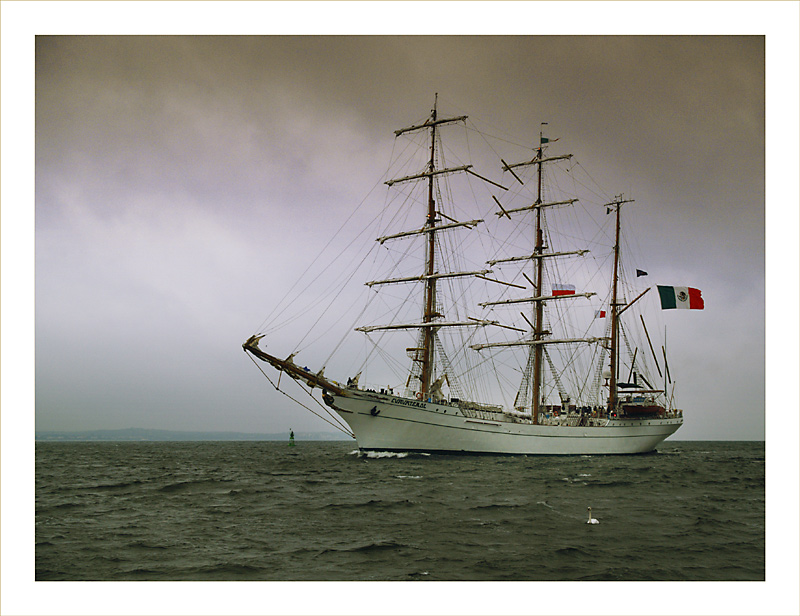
(573, 393)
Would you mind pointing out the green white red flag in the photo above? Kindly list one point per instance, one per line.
(680, 297)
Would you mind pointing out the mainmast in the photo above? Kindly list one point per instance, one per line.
(430, 282)
(538, 312)
(539, 335)
(614, 355)
(539, 256)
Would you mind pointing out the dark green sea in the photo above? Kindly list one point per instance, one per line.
(320, 511)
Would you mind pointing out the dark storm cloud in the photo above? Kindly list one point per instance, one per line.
(213, 106)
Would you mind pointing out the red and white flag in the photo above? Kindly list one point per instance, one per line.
(563, 289)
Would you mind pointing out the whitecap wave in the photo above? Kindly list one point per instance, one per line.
(384, 454)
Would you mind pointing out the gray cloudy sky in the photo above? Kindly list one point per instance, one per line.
(182, 181)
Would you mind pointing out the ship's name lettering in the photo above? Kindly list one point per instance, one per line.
(420, 405)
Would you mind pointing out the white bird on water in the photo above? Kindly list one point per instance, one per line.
(591, 520)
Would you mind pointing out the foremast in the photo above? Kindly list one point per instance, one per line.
(424, 354)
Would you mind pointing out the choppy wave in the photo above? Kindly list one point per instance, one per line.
(373, 504)
(255, 511)
(67, 505)
(498, 506)
(146, 545)
(228, 569)
(376, 546)
(121, 485)
(202, 484)
(572, 552)
(174, 487)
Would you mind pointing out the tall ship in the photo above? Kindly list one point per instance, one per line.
(499, 332)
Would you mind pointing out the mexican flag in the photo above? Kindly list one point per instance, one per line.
(680, 297)
(563, 289)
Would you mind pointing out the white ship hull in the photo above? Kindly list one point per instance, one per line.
(392, 423)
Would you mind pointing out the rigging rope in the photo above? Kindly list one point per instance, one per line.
(335, 425)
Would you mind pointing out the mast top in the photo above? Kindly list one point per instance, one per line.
(432, 121)
(617, 201)
(429, 123)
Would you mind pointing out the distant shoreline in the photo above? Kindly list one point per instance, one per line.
(144, 435)
(139, 434)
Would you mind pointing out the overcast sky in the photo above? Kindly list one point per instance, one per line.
(181, 181)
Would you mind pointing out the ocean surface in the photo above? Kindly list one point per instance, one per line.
(321, 511)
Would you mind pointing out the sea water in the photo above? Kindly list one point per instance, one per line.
(322, 511)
